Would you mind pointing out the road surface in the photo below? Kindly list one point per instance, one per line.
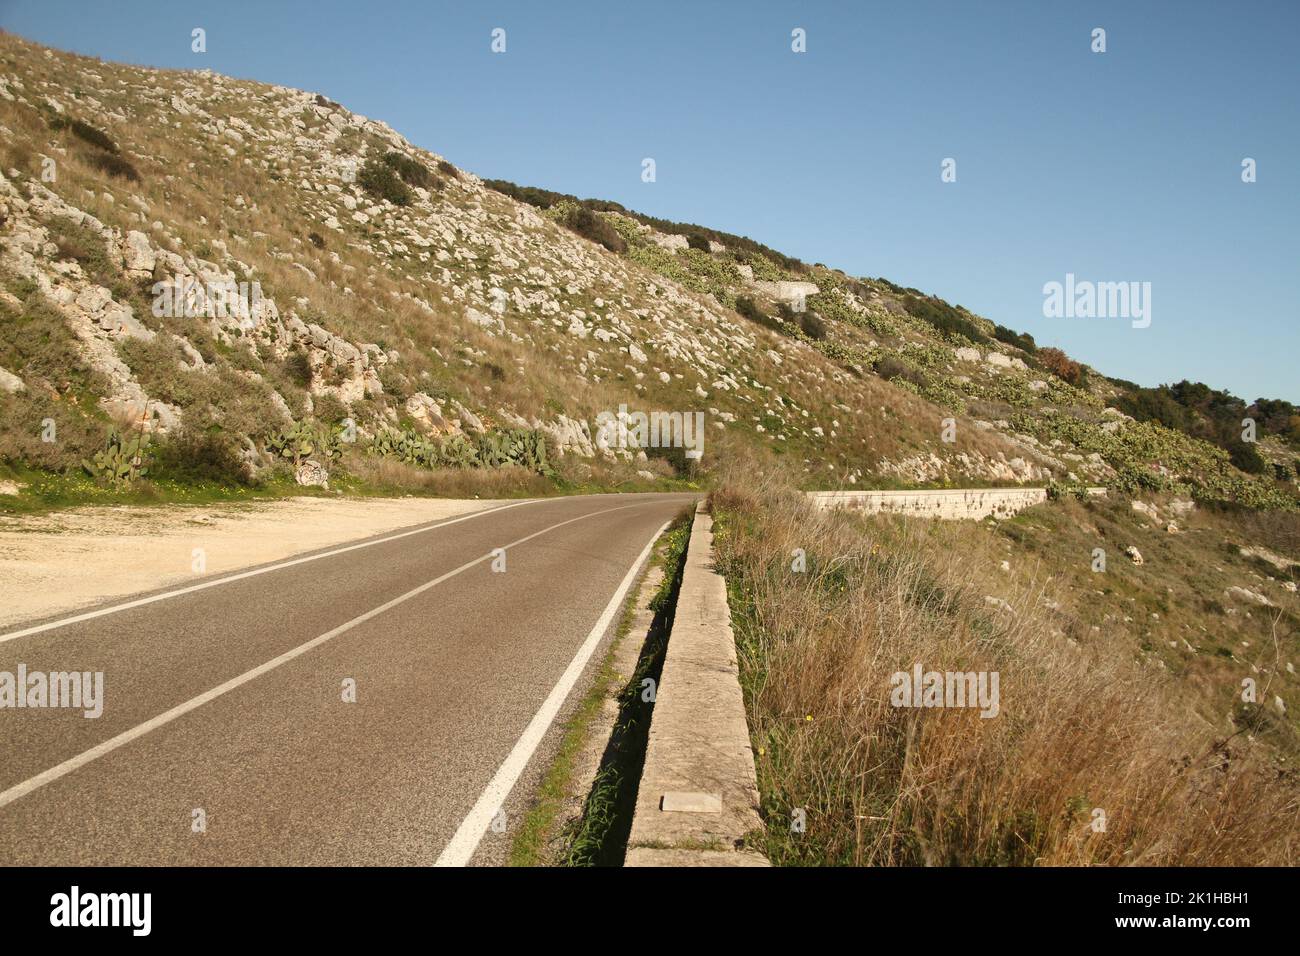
(225, 736)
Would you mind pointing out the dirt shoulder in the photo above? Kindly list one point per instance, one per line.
(73, 559)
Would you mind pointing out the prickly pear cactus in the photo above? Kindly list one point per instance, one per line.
(303, 440)
(494, 449)
(123, 460)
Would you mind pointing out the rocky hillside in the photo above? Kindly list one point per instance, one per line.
(264, 284)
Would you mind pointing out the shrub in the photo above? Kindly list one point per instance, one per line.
(1247, 458)
(890, 368)
(298, 368)
(943, 317)
(81, 244)
(114, 166)
(749, 309)
(316, 239)
(593, 226)
(380, 180)
(812, 324)
(546, 199)
(447, 169)
(1021, 340)
(198, 456)
(87, 133)
(329, 409)
(1061, 365)
(412, 172)
(696, 241)
(36, 340)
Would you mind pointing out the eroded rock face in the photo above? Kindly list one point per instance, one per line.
(428, 414)
(568, 435)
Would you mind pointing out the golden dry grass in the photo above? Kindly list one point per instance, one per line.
(1082, 726)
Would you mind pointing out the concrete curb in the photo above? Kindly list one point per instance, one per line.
(698, 764)
(954, 503)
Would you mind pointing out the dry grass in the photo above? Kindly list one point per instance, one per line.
(390, 476)
(1081, 726)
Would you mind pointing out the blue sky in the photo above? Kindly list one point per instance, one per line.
(1120, 166)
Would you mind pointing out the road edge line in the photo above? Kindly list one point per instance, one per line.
(463, 844)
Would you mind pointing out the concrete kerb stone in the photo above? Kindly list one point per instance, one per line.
(699, 792)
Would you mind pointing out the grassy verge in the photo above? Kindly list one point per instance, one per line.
(598, 837)
(43, 491)
(1100, 753)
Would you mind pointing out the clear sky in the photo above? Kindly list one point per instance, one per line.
(1115, 166)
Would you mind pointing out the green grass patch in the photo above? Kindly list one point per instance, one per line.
(599, 836)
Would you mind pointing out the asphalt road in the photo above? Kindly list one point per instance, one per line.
(230, 699)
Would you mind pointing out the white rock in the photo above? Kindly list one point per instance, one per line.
(9, 382)
(138, 254)
(313, 474)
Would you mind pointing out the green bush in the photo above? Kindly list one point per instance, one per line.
(195, 457)
(750, 309)
(83, 245)
(546, 199)
(593, 226)
(412, 172)
(35, 341)
(943, 317)
(1021, 340)
(380, 180)
(328, 408)
(516, 446)
(892, 368)
(298, 368)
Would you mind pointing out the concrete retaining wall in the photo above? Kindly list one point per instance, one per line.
(699, 793)
(954, 503)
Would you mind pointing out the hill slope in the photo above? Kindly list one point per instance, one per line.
(410, 297)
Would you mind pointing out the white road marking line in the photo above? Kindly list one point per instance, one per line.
(190, 589)
(467, 838)
(113, 743)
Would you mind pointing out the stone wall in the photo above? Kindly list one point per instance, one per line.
(954, 503)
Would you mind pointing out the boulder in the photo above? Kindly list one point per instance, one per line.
(312, 474)
(138, 255)
(9, 382)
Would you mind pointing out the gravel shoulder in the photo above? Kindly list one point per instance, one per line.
(69, 560)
